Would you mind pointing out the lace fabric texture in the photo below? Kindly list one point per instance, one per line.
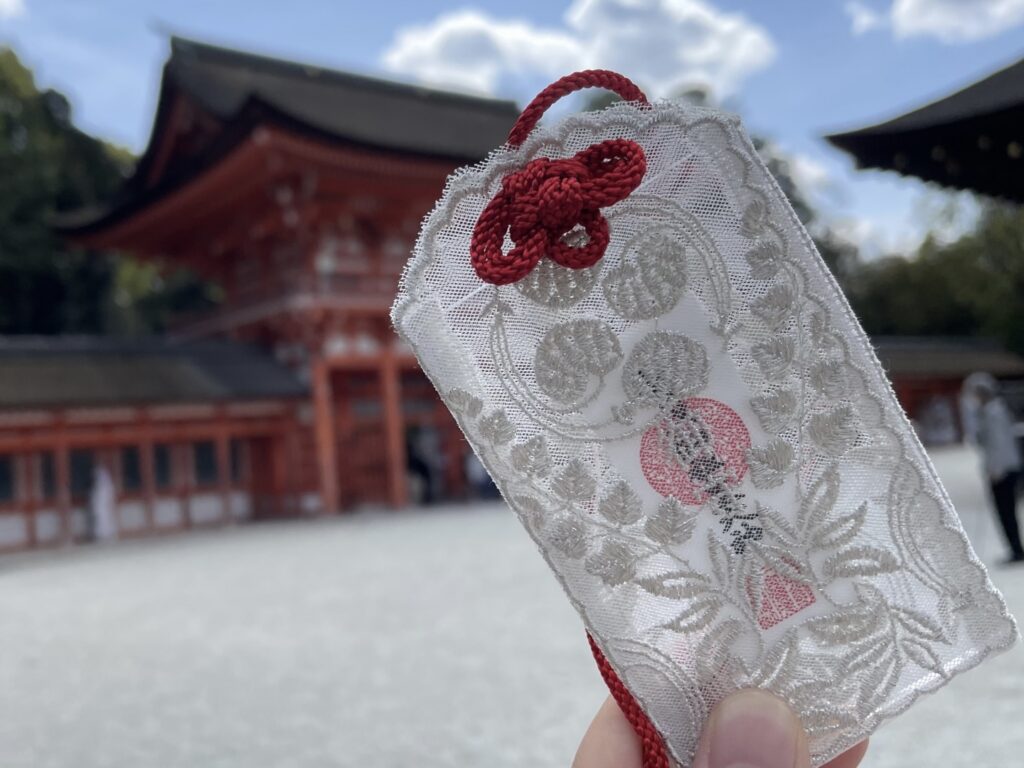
(701, 441)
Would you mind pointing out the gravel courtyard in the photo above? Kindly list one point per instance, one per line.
(430, 638)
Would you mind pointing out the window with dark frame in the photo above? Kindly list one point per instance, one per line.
(7, 481)
(237, 461)
(204, 463)
(131, 469)
(47, 476)
(163, 473)
(82, 462)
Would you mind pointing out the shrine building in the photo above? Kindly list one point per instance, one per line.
(299, 191)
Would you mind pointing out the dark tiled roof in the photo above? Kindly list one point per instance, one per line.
(944, 357)
(968, 140)
(998, 91)
(40, 372)
(244, 90)
(366, 110)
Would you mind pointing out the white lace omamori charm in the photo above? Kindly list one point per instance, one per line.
(696, 432)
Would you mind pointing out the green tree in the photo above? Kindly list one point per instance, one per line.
(49, 167)
(973, 286)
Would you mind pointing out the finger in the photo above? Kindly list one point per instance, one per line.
(610, 742)
(753, 729)
(850, 758)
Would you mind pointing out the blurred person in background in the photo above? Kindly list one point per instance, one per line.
(994, 434)
(102, 503)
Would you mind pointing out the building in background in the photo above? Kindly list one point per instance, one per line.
(927, 374)
(299, 191)
(190, 434)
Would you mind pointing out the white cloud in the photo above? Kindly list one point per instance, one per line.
(863, 18)
(955, 21)
(9, 9)
(951, 21)
(810, 175)
(873, 238)
(469, 50)
(665, 45)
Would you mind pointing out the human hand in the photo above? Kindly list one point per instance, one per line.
(749, 729)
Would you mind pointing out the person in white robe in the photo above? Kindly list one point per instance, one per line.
(103, 504)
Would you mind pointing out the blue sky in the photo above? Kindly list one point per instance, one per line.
(794, 69)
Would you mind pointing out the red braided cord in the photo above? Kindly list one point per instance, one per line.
(652, 747)
(588, 78)
(539, 204)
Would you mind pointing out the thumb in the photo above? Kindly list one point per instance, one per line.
(752, 729)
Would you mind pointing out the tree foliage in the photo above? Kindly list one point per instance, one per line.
(973, 286)
(49, 167)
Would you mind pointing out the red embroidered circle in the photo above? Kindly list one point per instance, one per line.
(730, 441)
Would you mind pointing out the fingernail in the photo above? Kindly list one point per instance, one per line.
(751, 729)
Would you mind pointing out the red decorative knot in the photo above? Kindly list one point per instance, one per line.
(548, 199)
(544, 206)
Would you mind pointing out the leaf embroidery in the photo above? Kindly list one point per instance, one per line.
(782, 562)
(532, 511)
(769, 464)
(776, 527)
(775, 307)
(460, 401)
(764, 260)
(677, 585)
(775, 356)
(818, 502)
(568, 537)
(829, 378)
(919, 625)
(698, 614)
(531, 458)
(840, 531)
(670, 523)
(574, 483)
(754, 216)
(775, 410)
(834, 430)
(721, 561)
(622, 505)
(861, 560)
(924, 656)
(853, 623)
(614, 563)
(496, 428)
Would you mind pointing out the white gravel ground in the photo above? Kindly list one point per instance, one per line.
(434, 638)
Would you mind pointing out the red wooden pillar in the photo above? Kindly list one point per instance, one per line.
(28, 491)
(278, 472)
(394, 428)
(224, 465)
(326, 439)
(146, 449)
(455, 448)
(181, 459)
(62, 459)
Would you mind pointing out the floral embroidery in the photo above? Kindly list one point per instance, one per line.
(704, 447)
(650, 279)
(662, 368)
(571, 354)
(552, 285)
